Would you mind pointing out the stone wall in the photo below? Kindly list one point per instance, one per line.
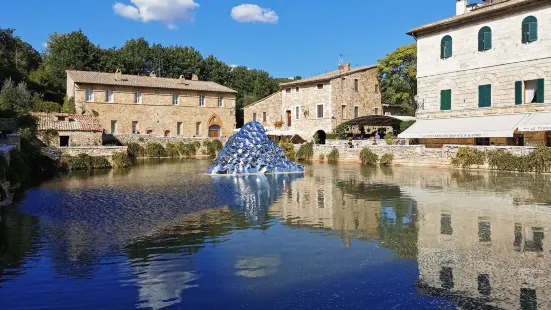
(145, 139)
(55, 153)
(508, 61)
(157, 113)
(77, 138)
(270, 105)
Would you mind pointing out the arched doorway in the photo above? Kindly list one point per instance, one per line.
(214, 131)
(149, 131)
(167, 133)
(321, 136)
(289, 118)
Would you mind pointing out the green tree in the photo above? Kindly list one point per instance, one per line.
(215, 70)
(17, 58)
(15, 99)
(398, 78)
(134, 57)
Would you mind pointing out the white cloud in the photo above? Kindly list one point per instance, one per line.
(169, 12)
(252, 13)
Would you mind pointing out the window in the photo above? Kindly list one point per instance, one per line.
(446, 224)
(356, 85)
(109, 96)
(484, 39)
(482, 141)
(254, 117)
(376, 88)
(533, 91)
(446, 277)
(179, 128)
(529, 29)
(356, 112)
(446, 99)
(320, 86)
(320, 110)
(264, 117)
(533, 239)
(297, 89)
(220, 101)
(198, 129)
(61, 118)
(134, 126)
(89, 95)
(446, 47)
(201, 101)
(376, 111)
(175, 99)
(484, 230)
(528, 299)
(343, 111)
(484, 96)
(288, 90)
(138, 97)
(113, 127)
(297, 112)
(484, 287)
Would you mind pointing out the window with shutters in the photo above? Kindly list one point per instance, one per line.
(356, 112)
(446, 99)
(529, 29)
(109, 96)
(531, 91)
(297, 112)
(320, 110)
(138, 97)
(175, 99)
(484, 96)
(89, 95)
(446, 47)
(201, 101)
(485, 39)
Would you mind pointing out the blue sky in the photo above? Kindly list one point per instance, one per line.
(284, 37)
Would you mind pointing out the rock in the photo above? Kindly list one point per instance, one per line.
(251, 152)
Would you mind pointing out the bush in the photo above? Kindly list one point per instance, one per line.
(333, 156)
(289, 149)
(121, 160)
(467, 157)
(405, 125)
(540, 159)
(306, 152)
(332, 136)
(368, 157)
(155, 150)
(69, 105)
(19, 170)
(278, 124)
(214, 147)
(171, 150)
(100, 162)
(189, 149)
(322, 157)
(387, 159)
(49, 136)
(135, 150)
(84, 162)
(340, 131)
(46, 106)
(389, 139)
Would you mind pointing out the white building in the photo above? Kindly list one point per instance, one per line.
(489, 64)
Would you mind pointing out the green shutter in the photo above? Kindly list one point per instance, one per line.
(525, 32)
(449, 48)
(488, 95)
(442, 49)
(487, 40)
(540, 91)
(446, 47)
(533, 29)
(480, 41)
(445, 99)
(518, 92)
(484, 96)
(480, 96)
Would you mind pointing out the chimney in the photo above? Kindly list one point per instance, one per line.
(460, 7)
(118, 75)
(194, 77)
(347, 67)
(182, 78)
(341, 67)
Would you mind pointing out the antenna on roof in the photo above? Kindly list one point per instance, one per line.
(341, 55)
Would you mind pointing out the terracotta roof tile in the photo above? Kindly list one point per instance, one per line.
(72, 122)
(476, 14)
(89, 77)
(327, 76)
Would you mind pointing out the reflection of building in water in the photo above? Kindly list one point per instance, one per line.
(484, 250)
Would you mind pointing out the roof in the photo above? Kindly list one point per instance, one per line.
(72, 122)
(328, 76)
(477, 14)
(90, 77)
(379, 120)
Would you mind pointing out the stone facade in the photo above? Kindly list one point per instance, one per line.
(336, 92)
(270, 105)
(145, 139)
(78, 138)
(157, 113)
(55, 153)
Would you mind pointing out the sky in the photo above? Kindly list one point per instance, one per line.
(283, 37)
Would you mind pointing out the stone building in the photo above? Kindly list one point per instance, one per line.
(484, 75)
(71, 129)
(320, 103)
(154, 105)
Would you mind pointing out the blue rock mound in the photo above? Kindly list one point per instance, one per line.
(251, 152)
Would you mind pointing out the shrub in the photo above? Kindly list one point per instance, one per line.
(189, 149)
(387, 159)
(49, 136)
(389, 139)
(121, 160)
(69, 105)
(405, 125)
(289, 149)
(155, 150)
(467, 157)
(322, 157)
(45, 106)
(171, 150)
(99, 162)
(214, 147)
(19, 170)
(333, 156)
(141, 140)
(278, 124)
(340, 131)
(306, 152)
(540, 159)
(135, 150)
(368, 157)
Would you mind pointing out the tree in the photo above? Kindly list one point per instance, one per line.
(14, 99)
(17, 58)
(214, 70)
(134, 57)
(398, 78)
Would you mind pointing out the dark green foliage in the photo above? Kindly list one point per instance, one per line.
(45, 106)
(340, 131)
(306, 152)
(172, 150)
(289, 149)
(121, 160)
(332, 136)
(213, 147)
(19, 169)
(539, 160)
(155, 150)
(84, 162)
(49, 135)
(15, 97)
(333, 156)
(100, 162)
(135, 150)
(405, 125)
(18, 58)
(387, 159)
(69, 105)
(467, 157)
(368, 157)
(188, 149)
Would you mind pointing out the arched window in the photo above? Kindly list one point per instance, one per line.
(529, 29)
(485, 39)
(446, 47)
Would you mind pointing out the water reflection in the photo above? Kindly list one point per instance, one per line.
(167, 236)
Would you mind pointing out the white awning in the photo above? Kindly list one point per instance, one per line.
(492, 126)
(540, 121)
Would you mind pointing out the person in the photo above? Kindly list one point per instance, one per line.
(377, 137)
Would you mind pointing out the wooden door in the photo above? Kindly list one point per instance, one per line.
(288, 118)
(214, 131)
